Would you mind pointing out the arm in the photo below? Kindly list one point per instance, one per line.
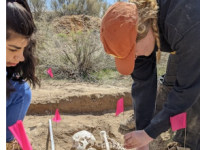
(144, 95)
(186, 90)
(144, 89)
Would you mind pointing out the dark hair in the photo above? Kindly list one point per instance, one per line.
(19, 21)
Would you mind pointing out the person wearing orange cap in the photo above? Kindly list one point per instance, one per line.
(133, 33)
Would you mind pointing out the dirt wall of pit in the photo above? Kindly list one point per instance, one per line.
(81, 104)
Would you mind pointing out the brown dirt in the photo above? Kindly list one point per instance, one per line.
(77, 98)
(82, 106)
(76, 23)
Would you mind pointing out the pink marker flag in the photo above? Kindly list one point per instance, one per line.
(20, 135)
(178, 121)
(57, 116)
(120, 106)
(50, 72)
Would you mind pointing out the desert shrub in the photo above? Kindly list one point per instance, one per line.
(78, 55)
(84, 54)
(77, 7)
(38, 7)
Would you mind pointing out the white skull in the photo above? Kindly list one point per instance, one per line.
(81, 139)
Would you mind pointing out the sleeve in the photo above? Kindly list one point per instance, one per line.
(144, 89)
(186, 90)
(26, 100)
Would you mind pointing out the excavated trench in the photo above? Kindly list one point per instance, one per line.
(94, 103)
(82, 107)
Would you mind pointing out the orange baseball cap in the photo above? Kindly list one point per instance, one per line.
(118, 34)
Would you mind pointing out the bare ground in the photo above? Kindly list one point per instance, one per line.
(82, 106)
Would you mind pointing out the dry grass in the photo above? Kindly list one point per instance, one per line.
(78, 56)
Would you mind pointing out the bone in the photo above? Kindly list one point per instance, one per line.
(104, 137)
(116, 145)
(82, 139)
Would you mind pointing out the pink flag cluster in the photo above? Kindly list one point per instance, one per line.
(177, 122)
(18, 130)
(19, 133)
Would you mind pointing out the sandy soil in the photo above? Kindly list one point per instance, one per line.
(82, 106)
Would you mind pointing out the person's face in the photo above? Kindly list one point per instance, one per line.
(145, 46)
(14, 50)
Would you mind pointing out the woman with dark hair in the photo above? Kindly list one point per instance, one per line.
(20, 64)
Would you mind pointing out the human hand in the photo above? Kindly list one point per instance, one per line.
(136, 139)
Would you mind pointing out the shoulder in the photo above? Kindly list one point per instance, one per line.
(22, 89)
(177, 18)
(181, 15)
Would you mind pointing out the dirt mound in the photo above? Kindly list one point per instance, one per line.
(76, 23)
